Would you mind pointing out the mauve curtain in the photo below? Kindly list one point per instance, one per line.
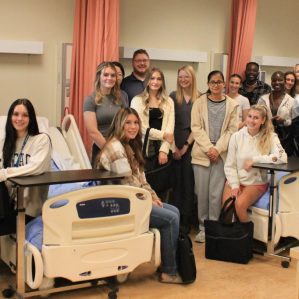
(95, 39)
(241, 35)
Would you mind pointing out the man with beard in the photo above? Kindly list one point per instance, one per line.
(134, 84)
(252, 88)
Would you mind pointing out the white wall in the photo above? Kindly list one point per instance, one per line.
(197, 25)
(277, 32)
(36, 77)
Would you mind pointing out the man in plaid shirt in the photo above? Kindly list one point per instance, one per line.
(252, 88)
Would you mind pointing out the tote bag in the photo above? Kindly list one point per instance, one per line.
(229, 241)
(186, 260)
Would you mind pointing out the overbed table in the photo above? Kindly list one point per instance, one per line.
(291, 166)
(47, 178)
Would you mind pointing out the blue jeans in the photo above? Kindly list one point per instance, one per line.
(167, 221)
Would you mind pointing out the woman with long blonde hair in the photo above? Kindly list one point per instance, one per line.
(156, 111)
(101, 106)
(254, 143)
(183, 187)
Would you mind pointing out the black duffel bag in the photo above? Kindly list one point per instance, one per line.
(229, 241)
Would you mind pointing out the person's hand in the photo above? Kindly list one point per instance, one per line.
(163, 159)
(2, 175)
(278, 119)
(184, 149)
(157, 202)
(168, 137)
(235, 192)
(177, 154)
(248, 165)
(213, 154)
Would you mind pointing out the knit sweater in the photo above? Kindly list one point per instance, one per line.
(242, 147)
(114, 158)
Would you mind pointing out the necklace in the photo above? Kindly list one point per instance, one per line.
(254, 83)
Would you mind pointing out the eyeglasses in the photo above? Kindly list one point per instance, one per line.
(141, 60)
(183, 77)
(214, 83)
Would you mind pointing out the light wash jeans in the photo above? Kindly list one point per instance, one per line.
(167, 221)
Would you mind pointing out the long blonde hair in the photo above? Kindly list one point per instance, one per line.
(115, 91)
(162, 94)
(266, 129)
(179, 91)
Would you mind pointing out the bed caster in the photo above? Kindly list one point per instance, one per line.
(285, 264)
(121, 278)
(8, 293)
(113, 294)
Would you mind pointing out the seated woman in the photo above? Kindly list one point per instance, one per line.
(24, 151)
(254, 143)
(123, 153)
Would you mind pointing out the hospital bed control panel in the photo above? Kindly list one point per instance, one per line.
(103, 207)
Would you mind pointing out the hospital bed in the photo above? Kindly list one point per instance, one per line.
(88, 234)
(279, 217)
(287, 214)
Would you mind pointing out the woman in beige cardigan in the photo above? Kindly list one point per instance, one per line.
(213, 121)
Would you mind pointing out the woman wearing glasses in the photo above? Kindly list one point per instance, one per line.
(183, 188)
(213, 121)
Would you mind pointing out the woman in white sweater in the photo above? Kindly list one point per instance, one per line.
(24, 151)
(254, 143)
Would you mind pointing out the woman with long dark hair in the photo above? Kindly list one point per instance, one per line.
(213, 121)
(25, 151)
(123, 153)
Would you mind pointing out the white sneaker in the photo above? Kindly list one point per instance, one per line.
(200, 237)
